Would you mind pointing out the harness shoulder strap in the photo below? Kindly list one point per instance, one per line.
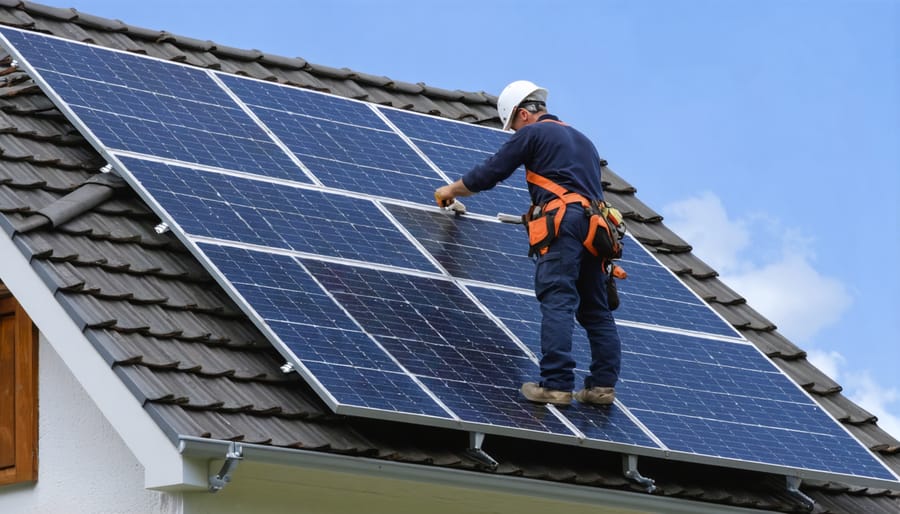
(544, 183)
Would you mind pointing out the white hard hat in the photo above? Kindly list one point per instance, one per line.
(513, 95)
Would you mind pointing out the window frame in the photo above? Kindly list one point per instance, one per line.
(23, 396)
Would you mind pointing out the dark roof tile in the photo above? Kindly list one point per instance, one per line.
(16, 17)
(713, 290)
(684, 262)
(810, 377)
(99, 22)
(743, 316)
(774, 345)
(46, 11)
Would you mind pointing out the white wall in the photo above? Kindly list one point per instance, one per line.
(83, 465)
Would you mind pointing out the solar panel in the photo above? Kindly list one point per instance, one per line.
(315, 214)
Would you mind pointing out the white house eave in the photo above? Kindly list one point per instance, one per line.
(205, 450)
(163, 465)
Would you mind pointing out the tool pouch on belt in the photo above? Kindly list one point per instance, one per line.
(605, 232)
(541, 231)
(613, 273)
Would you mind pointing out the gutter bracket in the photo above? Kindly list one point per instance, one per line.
(475, 451)
(793, 488)
(232, 457)
(629, 468)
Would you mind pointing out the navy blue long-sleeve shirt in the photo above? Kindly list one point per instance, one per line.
(556, 151)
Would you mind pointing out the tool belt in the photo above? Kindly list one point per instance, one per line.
(605, 232)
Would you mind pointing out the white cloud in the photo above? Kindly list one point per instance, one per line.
(828, 362)
(765, 262)
(704, 224)
(771, 265)
(862, 389)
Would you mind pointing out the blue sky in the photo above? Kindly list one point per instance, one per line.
(766, 132)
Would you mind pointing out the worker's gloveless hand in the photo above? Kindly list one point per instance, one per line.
(444, 196)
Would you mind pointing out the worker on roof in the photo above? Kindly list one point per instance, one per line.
(569, 281)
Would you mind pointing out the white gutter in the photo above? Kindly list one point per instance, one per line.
(201, 448)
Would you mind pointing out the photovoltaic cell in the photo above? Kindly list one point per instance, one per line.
(299, 101)
(375, 181)
(312, 137)
(104, 65)
(435, 331)
(356, 371)
(471, 248)
(277, 216)
(609, 424)
(429, 128)
(401, 340)
(795, 449)
(375, 389)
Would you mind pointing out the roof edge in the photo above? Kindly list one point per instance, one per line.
(213, 449)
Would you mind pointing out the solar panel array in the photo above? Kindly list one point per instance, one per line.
(315, 213)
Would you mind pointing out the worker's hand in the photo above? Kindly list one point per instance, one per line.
(444, 195)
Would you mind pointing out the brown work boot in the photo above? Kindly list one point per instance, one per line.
(535, 393)
(596, 395)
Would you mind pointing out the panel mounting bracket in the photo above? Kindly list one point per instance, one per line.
(475, 451)
(793, 488)
(629, 468)
(162, 228)
(232, 457)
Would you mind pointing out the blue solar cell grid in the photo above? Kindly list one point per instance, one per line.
(471, 248)
(124, 101)
(437, 333)
(411, 344)
(352, 367)
(455, 148)
(124, 69)
(287, 99)
(430, 128)
(277, 216)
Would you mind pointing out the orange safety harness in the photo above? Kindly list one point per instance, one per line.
(605, 232)
(602, 240)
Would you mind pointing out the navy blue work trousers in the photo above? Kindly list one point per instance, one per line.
(571, 285)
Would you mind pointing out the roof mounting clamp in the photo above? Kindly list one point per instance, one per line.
(629, 468)
(162, 228)
(232, 457)
(287, 367)
(793, 487)
(475, 451)
(106, 168)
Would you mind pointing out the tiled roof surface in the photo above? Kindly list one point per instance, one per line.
(202, 369)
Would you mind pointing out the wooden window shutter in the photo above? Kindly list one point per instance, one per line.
(18, 393)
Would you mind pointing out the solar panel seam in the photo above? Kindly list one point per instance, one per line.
(378, 343)
(215, 77)
(525, 349)
(409, 142)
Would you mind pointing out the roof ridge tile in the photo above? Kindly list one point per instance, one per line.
(58, 13)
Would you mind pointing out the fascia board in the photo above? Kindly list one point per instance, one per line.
(163, 466)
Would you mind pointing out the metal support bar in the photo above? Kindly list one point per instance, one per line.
(629, 468)
(220, 480)
(793, 487)
(511, 218)
(475, 451)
